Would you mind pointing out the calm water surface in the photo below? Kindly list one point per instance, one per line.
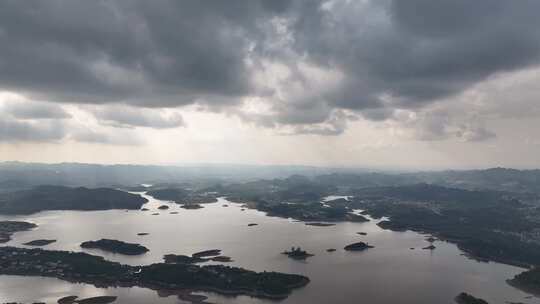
(389, 273)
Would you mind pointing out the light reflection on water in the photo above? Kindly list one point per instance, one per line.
(389, 273)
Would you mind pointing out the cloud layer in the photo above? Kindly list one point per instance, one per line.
(304, 67)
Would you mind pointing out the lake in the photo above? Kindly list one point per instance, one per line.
(389, 273)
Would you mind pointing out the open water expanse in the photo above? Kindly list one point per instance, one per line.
(389, 273)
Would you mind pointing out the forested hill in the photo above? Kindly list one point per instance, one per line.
(64, 198)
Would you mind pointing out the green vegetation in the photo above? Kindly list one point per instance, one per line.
(63, 198)
(7, 228)
(186, 197)
(297, 253)
(168, 194)
(39, 242)
(528, 281)
(465, 298)
(115, 246)
(85, 268)
(359, 246)
(489, 225)
(295, 197)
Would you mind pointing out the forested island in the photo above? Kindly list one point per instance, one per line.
(43, 198)
(115, 246)
(90, 269)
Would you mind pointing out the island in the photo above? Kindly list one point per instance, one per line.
(465, 298)
(330, 249)
(297, 253)
(115, 246)
(359, 246)
(67, 300)
(43, 198)
(85, 268)
(252, 224)
(39, 243)
(143, 233)
(8, 228)
(222, 259)
(97, 300)
(163, 207)
(207, 253)
(191, 206)
(319, 224)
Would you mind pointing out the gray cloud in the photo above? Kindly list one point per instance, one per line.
(12, 130)
(100, 137)
(389, 55)
(121, 116)
(153, 54)
(34, 110)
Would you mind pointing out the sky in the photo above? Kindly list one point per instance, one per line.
(417, 84)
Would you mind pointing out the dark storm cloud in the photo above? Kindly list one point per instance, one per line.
(420, 50)
(150, 53)
(391, 54)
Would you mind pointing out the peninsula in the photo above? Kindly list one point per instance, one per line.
(43, 198)
(8, 228)
(85, 268)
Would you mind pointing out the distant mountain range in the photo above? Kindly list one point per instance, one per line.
(18, 175)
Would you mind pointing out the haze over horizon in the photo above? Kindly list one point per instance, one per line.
(363, 84)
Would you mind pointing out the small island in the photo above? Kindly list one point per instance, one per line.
(67, 300)
(143, 233)
(39, 243)
(163, 207)
(465, 298)
(361, 233)
(8, 228)
(222, 259)
(297, 253)
(97, 300)
(319, 224)
(115, 246)
(191, 206)
(207, 253)
(359, 246)
(252, 224)
(331, 250)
